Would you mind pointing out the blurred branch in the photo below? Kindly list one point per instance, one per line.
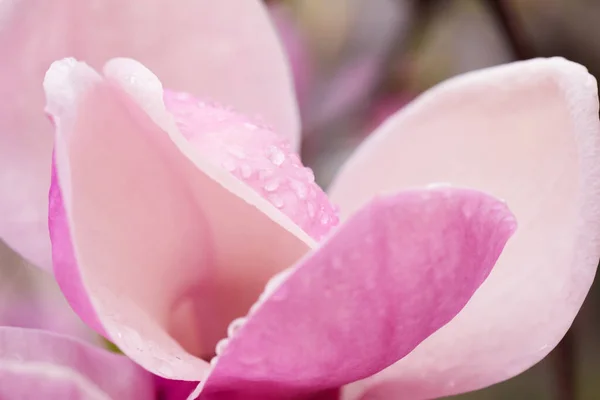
(565, 367)
(408, 40)
(512, 29)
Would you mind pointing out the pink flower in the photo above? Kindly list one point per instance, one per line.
(175, 223)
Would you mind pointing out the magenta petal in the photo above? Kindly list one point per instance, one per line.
(41, 365)
(397, 271)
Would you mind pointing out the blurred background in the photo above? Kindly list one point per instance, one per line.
(357, 61)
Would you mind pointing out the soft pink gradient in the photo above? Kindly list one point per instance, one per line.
(142, 186)
(168, 216)
(36, 364)
(528, 133)
(192, 46)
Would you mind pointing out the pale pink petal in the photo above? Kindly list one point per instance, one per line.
(154, 245)
(41, 365)
(225, 50)
(528, 133)
(397, 271)
(256, 156)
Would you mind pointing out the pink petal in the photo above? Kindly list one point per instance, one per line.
(153, 245)
(38, 364)
(528, 133)
(256, 156)
(373, 28)
(194, 45)
(167, 389)
(397, 271)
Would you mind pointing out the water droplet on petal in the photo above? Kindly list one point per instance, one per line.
(277, 280)
(276, 155)
(236, 151)
(276, 200)
(246, 171)
(221, 345)
(182, 96)
(253, 153)
(254, 308)
(299, 188)
(229, 165)
(271, 186)
(234, 326)
(310, 174)
(250, 126)
(264, 174)
(311, 209)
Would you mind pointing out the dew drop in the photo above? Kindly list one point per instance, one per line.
(277, 280)
(229, 165)
(310, 175)
(271, 186)
(300, 189)
(183, 96)
(310, 207)
(221, 346)
(276, 200)
(246, 171)
(234, 326)
(439, 185)
(250, 126)
(236, 151)
(276, 155)
(325, 219)
(264, 174)
(254, 308)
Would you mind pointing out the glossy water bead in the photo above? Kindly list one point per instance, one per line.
(257, 156)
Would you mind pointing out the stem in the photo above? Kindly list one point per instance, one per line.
(512, 30)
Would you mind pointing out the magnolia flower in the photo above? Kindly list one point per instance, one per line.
(185, 232)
